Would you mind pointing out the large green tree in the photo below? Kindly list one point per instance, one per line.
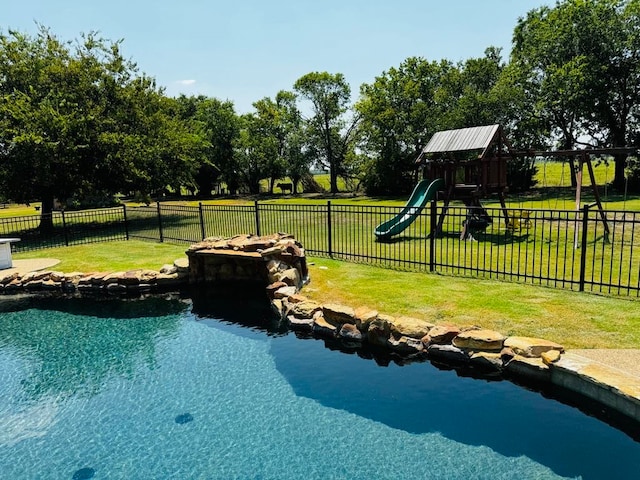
(76, 118)
(399, 115)
(328, 127)
(404, 106)
(468, 94)
(219, 126)
(279, 120)
(581, 61)
(256, 148)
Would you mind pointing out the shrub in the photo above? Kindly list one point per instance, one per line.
(632, 172)
(521, 174)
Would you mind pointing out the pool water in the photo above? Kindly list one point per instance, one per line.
(159, 389)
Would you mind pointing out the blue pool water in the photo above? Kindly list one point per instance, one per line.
(149, 389)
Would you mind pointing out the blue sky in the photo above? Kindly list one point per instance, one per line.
(246, 50)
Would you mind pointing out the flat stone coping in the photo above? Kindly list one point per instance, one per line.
(227, 253)
(9, 240)
(27, 265)
(625, 359)
(606, 384)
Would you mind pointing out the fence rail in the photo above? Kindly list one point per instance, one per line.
(556, 248)
(65, 228)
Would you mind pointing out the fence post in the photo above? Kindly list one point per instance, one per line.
(202, 229)
(432, 235)
(64, 228)
(257, 217)
(329, 230)
(126, 221)
(160, 222)
(583, 246)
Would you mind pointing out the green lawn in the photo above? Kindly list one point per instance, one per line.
(576, 320)
(542, 252)
(110, 256)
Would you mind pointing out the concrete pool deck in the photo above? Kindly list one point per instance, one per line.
(28, 265)
(626, 360)
(611, 377)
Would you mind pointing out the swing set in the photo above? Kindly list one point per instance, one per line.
(577, 159)
(472, 163)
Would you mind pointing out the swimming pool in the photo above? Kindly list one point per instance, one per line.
(165, 388)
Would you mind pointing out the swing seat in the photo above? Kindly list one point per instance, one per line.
(519, 220)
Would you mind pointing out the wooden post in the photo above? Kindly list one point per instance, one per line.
(503, 204)
(445, 207)
(596, 194)
(583, 253)
(576, 240)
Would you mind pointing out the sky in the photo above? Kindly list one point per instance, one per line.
(247, 50)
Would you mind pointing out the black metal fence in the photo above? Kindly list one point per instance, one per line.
(577, 250)
(65, 228)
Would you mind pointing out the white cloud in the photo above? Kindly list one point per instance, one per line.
(186, 82)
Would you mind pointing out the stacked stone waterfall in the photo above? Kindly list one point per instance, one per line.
(273, 261)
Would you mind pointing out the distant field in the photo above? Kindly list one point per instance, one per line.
(555, 174)
(19, 210)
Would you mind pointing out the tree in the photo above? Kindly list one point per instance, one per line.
(278, 121)
(581, 60)
(293, 141)
(298, 156)
(399, 114)
(468, 96)
(329, 95)
(75, 118)
(219, 126)
(255, 148)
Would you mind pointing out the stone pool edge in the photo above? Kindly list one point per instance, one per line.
(526, 359)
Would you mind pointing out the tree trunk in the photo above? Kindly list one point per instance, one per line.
(620, 163)
(333, 168)
(46, 214)
(618, 139)
(334, 179)
(572, 172)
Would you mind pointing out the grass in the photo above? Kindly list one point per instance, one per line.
(544, 250)
(110, 256)
(576, 320)
(19, 210)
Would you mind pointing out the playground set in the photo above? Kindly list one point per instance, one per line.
(469, 164)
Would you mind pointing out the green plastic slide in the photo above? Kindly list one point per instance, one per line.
(425, 191)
